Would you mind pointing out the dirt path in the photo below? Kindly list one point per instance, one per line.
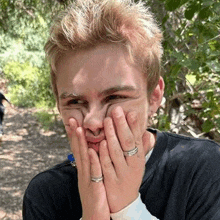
(26, 150)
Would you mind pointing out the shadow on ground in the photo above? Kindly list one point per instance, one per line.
(26, 149)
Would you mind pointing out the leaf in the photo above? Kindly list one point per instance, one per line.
(191, 64)
(207, 126)
(205, 13)
(218, 122)
(191, 9)
(191, 78)
(210, 95)
(165, 19)
(172, 5)
(214, 65)
(175, 69)
(208, 2)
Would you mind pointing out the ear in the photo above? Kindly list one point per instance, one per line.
(156, 97)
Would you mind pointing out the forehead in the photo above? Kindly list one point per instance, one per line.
(97, 69)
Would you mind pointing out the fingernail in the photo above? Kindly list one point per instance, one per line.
(72, 123)
(79, 130)
(103, 143)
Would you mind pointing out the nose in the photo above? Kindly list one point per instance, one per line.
(93, 121)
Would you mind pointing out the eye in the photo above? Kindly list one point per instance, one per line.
(115, 97)
(75, 102)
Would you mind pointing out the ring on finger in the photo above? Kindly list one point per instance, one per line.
(96, 179)
(130, 152)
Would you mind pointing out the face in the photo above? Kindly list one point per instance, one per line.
(92, 83)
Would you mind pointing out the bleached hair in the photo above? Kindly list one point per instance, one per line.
(89, 23)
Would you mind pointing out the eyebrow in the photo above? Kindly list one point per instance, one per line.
(106, 92)
(117, 89)
(66, 95)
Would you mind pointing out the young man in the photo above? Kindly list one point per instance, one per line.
(105, 67)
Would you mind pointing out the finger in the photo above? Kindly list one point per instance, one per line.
(68, 130)
(124, 133)
(74, 144)
(70, 126)
(115, 151)
(106, 163)
(147, 139)
(135, 129)
(95, 166)
(83, 151)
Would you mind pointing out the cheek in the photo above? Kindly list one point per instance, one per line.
(143, 121)
(144, 116)
(139, 108)
(72, 113)
(124, 106)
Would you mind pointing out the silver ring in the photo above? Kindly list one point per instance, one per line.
(130, 152)
(96, 180)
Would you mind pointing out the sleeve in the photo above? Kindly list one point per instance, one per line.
(48, 198)
(32, 211)
(135, 211)
(207, 204)
(204, 190)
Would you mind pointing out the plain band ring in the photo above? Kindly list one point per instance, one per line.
(130, 152)
(96, 180)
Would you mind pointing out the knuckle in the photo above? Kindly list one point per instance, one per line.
(140, 157)
(85, 160)
(119, 182)
(111, 131)
(117, 152)
(112, 134)
(138, 142)
(119, 116)
(107, 164)
(129, 142)
(133, 117)
(121, 121)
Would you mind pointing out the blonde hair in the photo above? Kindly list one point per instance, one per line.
(89, 23)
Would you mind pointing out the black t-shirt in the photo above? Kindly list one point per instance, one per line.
(181, 181)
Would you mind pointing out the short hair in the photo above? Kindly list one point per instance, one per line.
(89, 23)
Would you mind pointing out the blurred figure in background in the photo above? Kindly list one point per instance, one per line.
(2, 110)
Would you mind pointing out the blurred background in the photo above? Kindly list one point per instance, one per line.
(34, 138)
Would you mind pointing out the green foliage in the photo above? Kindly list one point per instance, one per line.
(46, 119)
(29, 85)
(163, 122)
(24, 28)
(191, 57)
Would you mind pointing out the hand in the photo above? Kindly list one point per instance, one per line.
(122, 175)
(92, 194)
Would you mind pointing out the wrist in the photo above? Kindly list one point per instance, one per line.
(95, 217)
(117, 207)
